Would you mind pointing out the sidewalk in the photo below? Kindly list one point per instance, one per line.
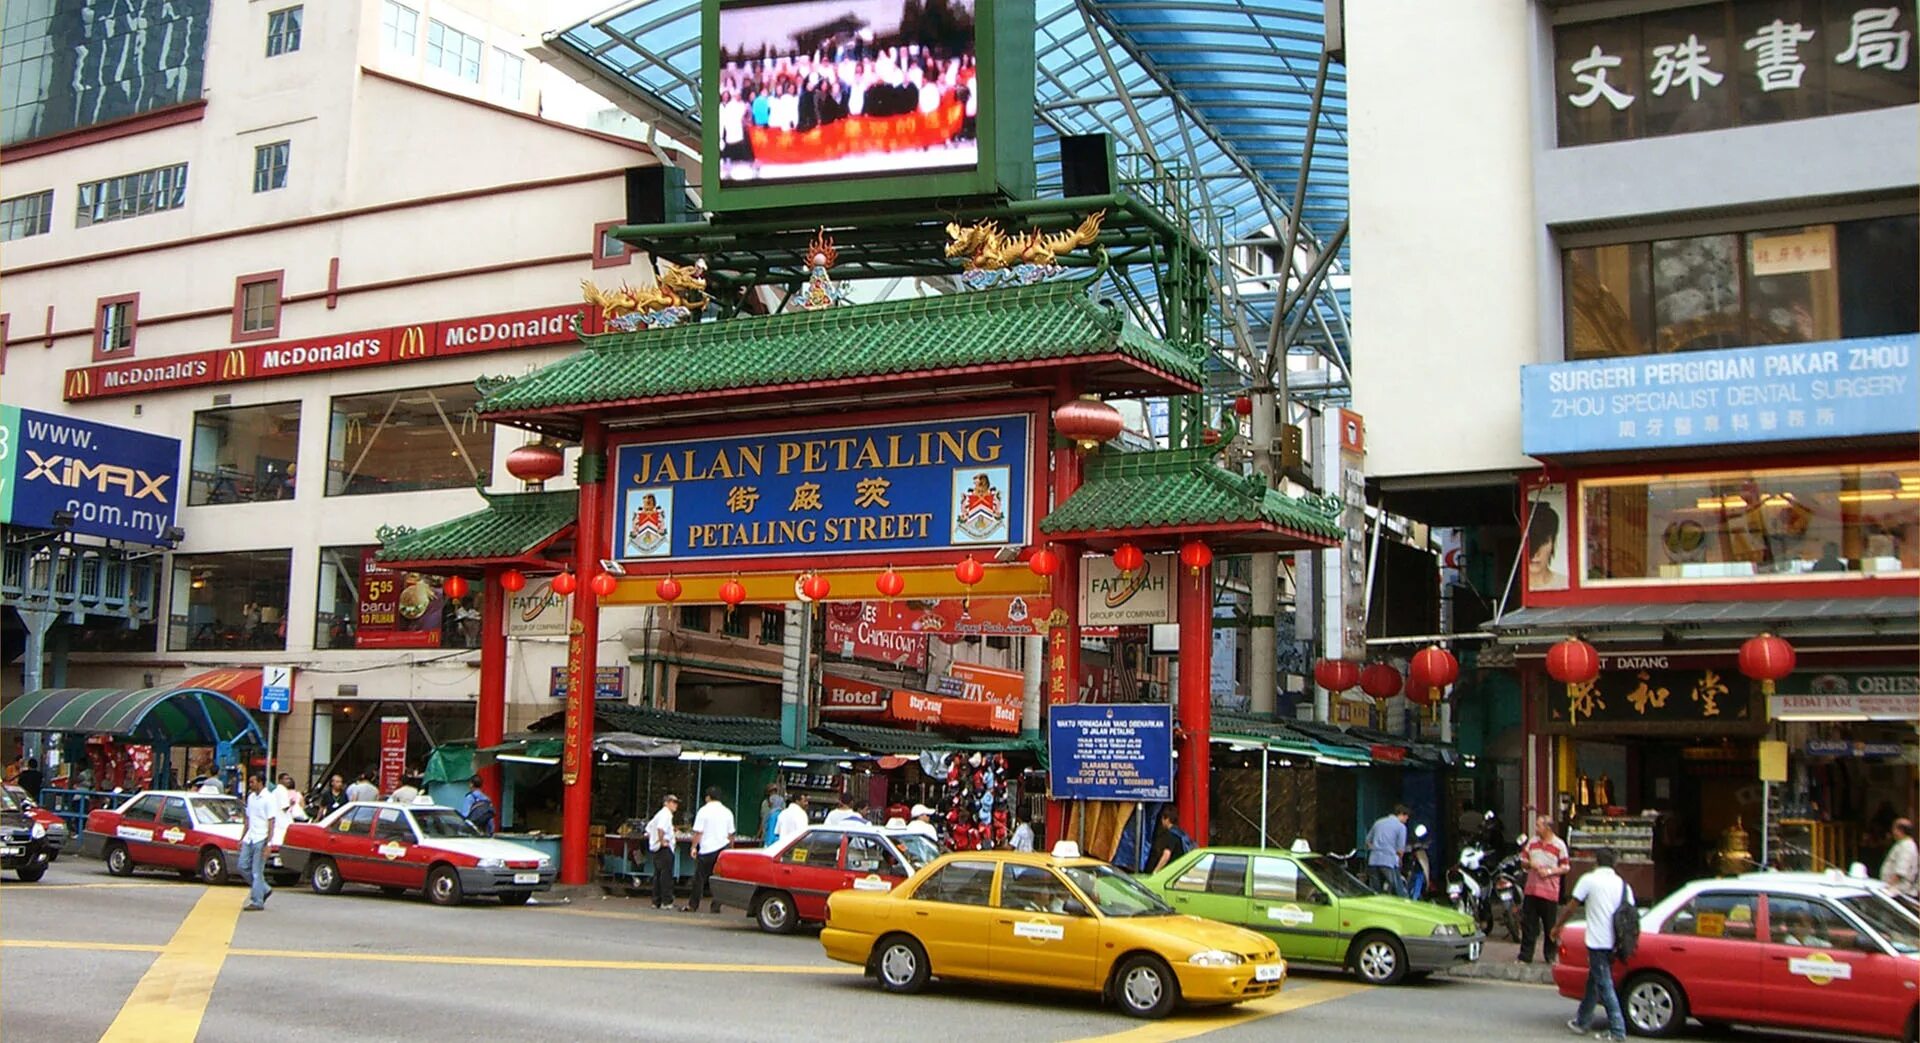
(1500, 961)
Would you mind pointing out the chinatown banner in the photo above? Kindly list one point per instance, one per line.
(397, 610)
(559, 324)
(846, 696)
(851, 635)
(393, 753)
(969, 617)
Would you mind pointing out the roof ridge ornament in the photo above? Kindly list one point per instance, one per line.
(678, 294)
(996, 259)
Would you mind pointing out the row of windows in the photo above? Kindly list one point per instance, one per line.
(130, 195)
(449, 50)
(256, 316)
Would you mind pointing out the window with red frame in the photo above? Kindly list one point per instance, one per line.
(256, 307)
(609, 252)
(114, 323)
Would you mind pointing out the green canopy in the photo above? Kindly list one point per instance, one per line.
(165, 716)
(450, 762)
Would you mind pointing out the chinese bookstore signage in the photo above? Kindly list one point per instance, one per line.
(872, 489)
(1832, 389)
(1716, 65)
(1706, 696)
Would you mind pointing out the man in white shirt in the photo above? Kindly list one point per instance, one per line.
(363, 789)
(1022, 839)
(293, 808)
(792, 821)
(660, 850)
(923, 823)
(842, 811)
(263, 811)
(712, 834)
(1900, 870)
(1600, 893)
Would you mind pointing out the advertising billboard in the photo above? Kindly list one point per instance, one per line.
(398, 609)
(105, 481)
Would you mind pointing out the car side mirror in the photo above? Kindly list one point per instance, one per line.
(1074, 907)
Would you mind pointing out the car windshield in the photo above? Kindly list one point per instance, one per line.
(1342, 883)
(1115, 893)
(918, 849)
(443, 822)
(7, 801)
(1885, 919)
(218, 812)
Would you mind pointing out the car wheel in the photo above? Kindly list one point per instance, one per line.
(1654, 1005)
(902, 965)
(515, 897)
(1145, 987)
(1379, 959)
(213, 866)
(32, 874)
(775, 913)
(326, 877)
(443, 886)
(119, 860)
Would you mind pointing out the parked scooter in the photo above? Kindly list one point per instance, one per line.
(1415, 868)
(1505, 895)
(1467, 883)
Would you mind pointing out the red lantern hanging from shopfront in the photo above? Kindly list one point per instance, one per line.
(969, 571)
(732, 593)
(1380, 681)
(815, 587)
(603, 584)
(1128, 559)
(1573, 663)
(535, 463)
(1336, 675)
(1766, 658)
(1436, 668)
(565, 583)
(1243, 405)
(890, 583)
(513, 580)
(668, 589)
(455, 587)
(1088, 422)
(1045, 561)
(1195, 555)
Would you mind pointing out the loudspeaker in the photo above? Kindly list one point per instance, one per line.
(1086, 165)
(656, 195)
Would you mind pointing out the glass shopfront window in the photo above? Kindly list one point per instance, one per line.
(405, 441)
(1824, 523)
(229, 601)
(1793, 285)
(364, 605)
(244, 455)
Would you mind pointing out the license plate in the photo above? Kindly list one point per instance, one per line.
(9, 851)
(1267, 972)
(1473, 951)
(526, 878)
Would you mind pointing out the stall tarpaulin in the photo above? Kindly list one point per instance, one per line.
(953, 712)
(393, 752)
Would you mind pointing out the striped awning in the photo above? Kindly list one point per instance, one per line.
(173, 715)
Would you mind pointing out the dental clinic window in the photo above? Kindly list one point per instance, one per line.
(1782, 285)
(229, 601)
(1832, 522)
(405, 441)
(1730, 64)
(244, 455)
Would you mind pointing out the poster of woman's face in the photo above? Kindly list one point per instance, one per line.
(1547, 538)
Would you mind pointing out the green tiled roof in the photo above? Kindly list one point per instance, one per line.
(510, 525)
(901, 741)
(760, 736)
(1177, 488)
(1054, 321)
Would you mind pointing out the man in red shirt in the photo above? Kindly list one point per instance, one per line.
(1545, 857)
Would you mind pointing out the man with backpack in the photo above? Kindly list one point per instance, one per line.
(1613, 932)
(477, 808)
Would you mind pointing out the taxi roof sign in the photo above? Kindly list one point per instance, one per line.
(1066, 849)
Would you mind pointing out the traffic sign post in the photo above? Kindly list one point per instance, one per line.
(276, 698)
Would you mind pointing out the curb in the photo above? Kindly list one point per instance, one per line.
(1509, 971)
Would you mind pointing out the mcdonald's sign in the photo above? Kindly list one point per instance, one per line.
(79, 384)
(413, 343)
(233, 365)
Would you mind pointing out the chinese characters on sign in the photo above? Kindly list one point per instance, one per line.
(1701, 695)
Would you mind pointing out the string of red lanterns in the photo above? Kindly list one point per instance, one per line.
(1336, 675)
(565, 583)
(1436, 668)
(513, 581)
(1766, 658)
(815, 587)
(1128, 559)
(890, 583)
(1573, 663)
(1195, 555)
(1380, 680)
(1045, 561)
(668, 589)
(969, 571)
(455, 587)
(732, 593)
(604, 584)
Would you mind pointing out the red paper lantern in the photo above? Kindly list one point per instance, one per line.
(455, 586)
(815, 587)
(969, 571)
(1127, 558)
(535, 463)
(603, 583)
(890, 583)
(1336, 675)
(1210, 436)
(1437, 668)
(1243, 405)
(668, 589)
(1573, 662)
(732, 593)
(1045, 561)
(1196, 555)
(1087, 421)
(1380, 681)
(565, 583)
(513, 580)
(1766, 659)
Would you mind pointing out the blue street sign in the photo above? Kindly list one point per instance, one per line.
(610, 682)
(276, 689)
(1110, 752)
(116, 484)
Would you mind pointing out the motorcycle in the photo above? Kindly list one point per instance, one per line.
(1504, 897)
(1414, 865)
(1467, 883)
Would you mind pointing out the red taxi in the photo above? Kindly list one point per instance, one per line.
(1832, 956)
(413, 847)
(196, 834)
(787, 884)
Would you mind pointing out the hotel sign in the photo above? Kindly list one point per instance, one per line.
(379, 347)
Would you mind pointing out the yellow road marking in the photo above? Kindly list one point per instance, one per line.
(1293, 996)
(451, 959)
(30, 888)
(39, 943)
(171, 999)
(655, 917)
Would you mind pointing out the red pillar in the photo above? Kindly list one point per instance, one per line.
(583, 642)
(1192, 791)
(1063, 638)
(490, 723)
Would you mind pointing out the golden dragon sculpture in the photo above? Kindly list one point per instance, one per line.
(987, 248)
(678, 293)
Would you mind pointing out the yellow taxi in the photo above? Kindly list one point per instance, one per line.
(1053, 920)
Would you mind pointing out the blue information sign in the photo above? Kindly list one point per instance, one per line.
(877, 488)
(1779, 393)
(276, 689)
(115, 483)
(610, 682)
(1098, 751)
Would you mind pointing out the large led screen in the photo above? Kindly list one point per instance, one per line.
(816, 89)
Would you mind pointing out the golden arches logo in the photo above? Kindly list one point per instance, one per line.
(79, 383)
(413, 343)
(233, 365)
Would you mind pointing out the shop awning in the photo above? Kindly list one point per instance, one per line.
(880, 740)
(1836, 617)
(511, 528)
(174, 715)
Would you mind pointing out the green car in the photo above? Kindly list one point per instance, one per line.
(1317, 912)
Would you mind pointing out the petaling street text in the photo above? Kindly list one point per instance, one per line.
(979, 445)
(847, 529)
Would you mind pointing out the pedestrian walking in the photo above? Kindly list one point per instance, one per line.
(923, 823)
(476, 807)
(407, 792)
(712, 834)
(660, 850)
(1022, 839)
(293, 807)
(770, 809)
(1386, 843)
(331, 799)
(31, 779)
(263, 812)
(1600, 893)
(842, 811)
(363, 789)
(1546, 859)
(1167, 844)
(792, 821)
(1900, 870)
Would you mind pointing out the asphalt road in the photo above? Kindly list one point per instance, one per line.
(85, 956)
